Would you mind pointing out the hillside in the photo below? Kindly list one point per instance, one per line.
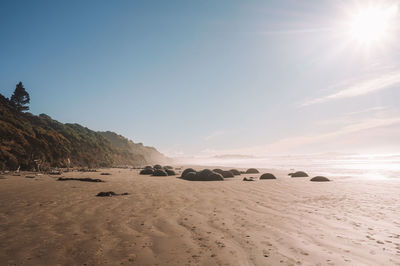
(25, 138)
(148, 154)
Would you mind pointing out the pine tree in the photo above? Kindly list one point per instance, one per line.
(20, 98)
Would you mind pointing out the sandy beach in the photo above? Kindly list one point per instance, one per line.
(169, 221)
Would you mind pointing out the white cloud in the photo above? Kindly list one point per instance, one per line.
(286, 145)
(214, 135)
(351, 117)
(361, 88)
(289, 143)
(372, 109)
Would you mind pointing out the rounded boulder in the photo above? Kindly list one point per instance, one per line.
(319, 179)
(188, 170)
(159, 172)
(299, 174)
(252, 171)
(267, 176)
(146, 172)
(235, 172)
(170, 172)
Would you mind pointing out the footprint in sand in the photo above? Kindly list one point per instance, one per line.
(265, 253)
(370, 238)
(131, 257)
(220, 244)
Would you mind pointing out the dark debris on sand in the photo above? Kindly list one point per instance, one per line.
(87, 170)
(54, 172)
(86, 179)
(110, 194)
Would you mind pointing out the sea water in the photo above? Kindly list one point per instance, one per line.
(370, 166)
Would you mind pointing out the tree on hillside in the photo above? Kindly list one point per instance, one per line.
(20, 98)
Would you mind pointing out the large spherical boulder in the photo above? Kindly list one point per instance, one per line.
(191, 176)
(299, 174)
(208, 175)
(248, 179)
(169, 171)
(204, 175)
(159, 172)
(168, 167)
(267, 176)
(252, 171)
(146, 172)
(148, 167)
(188, 170)
(219, 171)
(235, 172)
(157, 166)
(213, 177)
(319, 179)
(227, 174)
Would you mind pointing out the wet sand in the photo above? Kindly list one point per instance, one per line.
(168, 221)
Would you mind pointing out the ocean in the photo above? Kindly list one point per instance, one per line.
(365, 166)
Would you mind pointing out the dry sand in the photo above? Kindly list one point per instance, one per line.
(168, 221)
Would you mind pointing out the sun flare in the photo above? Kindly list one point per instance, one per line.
(372, 24)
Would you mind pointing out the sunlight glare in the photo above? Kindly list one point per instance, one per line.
(372, 24)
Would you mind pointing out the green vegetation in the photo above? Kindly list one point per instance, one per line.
(20, 98)
(30, 141)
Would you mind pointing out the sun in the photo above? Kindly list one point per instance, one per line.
(372, 24)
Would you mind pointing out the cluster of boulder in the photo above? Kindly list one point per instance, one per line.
(295, 174)
(218, 174)
(203, 175)
(304, 174)
(158, 170)
(208, 175)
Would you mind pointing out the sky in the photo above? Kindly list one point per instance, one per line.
(199, 78)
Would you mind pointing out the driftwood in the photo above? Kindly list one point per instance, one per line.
(110, 194)
(86, 179)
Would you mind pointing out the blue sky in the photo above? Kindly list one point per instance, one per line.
(208, 77)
